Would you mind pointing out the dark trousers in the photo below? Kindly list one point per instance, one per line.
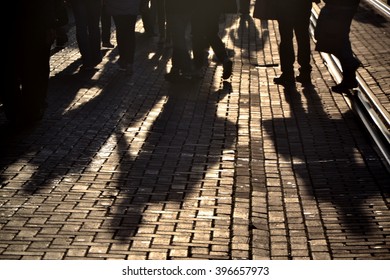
(149, 16)
(125, 37)
(295, 19)
(344, 15)
(87, 19)
(161, 19)
(205, 34)
(25, 97)
(106, 25)
(181, 59)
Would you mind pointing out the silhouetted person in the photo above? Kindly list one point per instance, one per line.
(294, 18)
(205, 34)
(34, 26)
(124, 13)
(87, 18)
(332, 34)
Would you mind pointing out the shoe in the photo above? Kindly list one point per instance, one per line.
(108, 45)
(227, 69)
(304, 79)
(345, 86)
(284, 80)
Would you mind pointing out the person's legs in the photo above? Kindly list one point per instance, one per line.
(94, 9)
(349, 63)
(200, 45)
(181, 58)
(161, 19)
(211, 32)
(286, 51)
(218, 46)
(301, 27)
(80, 16)
(125, 36)
(148, 17)
(106, 28)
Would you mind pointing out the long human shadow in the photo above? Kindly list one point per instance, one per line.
(73, 131)
(182, 145)
(245, 33)
(323, 153)
(63, 87)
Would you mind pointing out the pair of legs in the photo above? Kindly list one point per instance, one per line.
(349, 63)
(182, 68)
(87, 18)
(105, 20)
(294, 20)
(205, 34)
(125, 37)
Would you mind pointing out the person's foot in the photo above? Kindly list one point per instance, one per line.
(284, 80)
(345, 86)
(304, 79)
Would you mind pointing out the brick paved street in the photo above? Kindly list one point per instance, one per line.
(132, 167)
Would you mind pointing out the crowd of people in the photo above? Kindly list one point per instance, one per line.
(42, 22)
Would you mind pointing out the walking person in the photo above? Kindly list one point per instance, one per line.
(205, 34)
(332, 34)
(294, 18)
(125, 13)
(87, 18)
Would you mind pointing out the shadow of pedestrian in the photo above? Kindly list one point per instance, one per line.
(168, 179)
(327, 161)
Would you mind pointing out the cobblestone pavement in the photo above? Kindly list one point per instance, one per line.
(135, 168)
